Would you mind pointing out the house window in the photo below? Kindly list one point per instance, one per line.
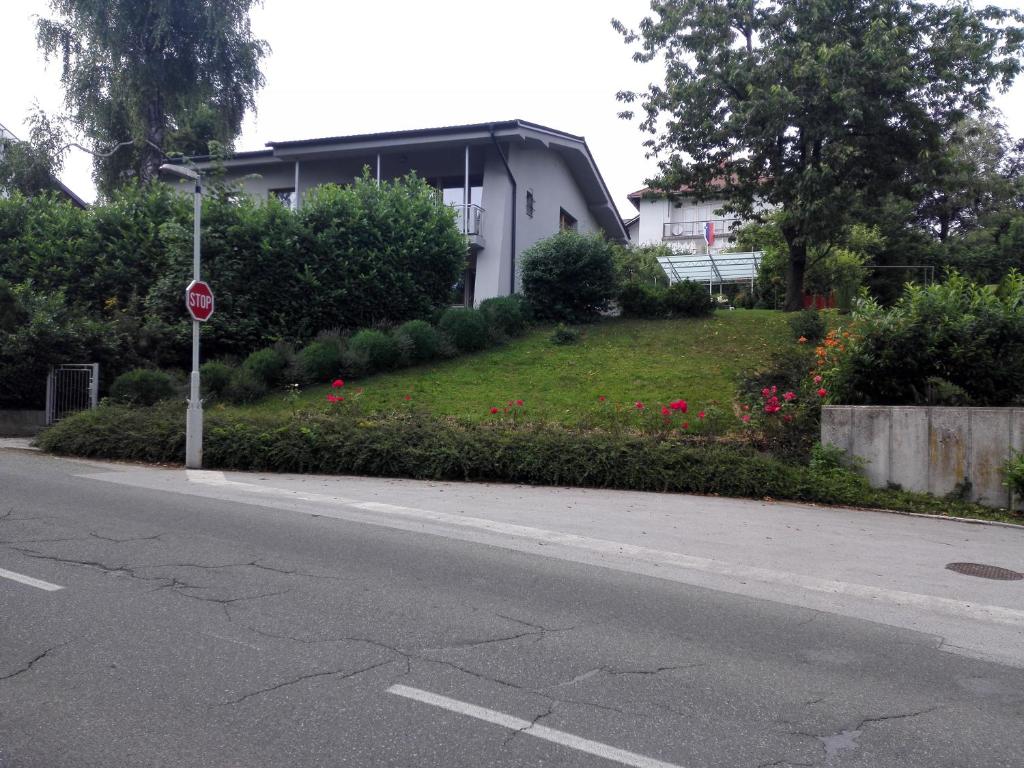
(286, 196)
(565, 221)
(529, 203)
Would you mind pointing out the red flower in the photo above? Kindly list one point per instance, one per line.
(600, 398)
(746, 407)
(519, 402)
(337, 383)
(765, 392)
(822, 392)
(817, 379)
(746, 418)
(686, 425)
(331, 399)
(665, 411)
(700, 415)
(639, 405)
(494, 409)
(789, 396)
(678, 405)
(787, 417)
(408, 397)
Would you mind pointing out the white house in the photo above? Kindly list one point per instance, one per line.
(513, 183)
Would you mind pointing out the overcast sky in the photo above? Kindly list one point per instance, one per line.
(339, 68)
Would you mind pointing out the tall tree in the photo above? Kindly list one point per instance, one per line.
(136, 71)
(816, 107)
(31, 167)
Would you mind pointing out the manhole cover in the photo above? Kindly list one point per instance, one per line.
(985, 571)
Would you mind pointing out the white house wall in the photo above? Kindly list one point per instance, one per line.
(493, 264)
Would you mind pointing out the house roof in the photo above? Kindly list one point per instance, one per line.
(60, 186)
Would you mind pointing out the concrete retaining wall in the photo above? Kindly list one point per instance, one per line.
(21, 423)
(929, 449)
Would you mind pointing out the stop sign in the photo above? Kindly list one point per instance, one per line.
(199, 300)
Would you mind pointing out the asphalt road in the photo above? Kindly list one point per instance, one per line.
(213, 620)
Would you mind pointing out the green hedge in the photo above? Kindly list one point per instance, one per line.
(427, 448)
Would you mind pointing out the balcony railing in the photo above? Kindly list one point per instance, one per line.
(683, 230)
(468, 225)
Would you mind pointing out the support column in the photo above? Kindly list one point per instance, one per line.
(378, 169)
(465, 196)
(295, 194)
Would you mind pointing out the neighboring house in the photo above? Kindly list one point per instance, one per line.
(633, 229)
(512, 182)
(6, 137)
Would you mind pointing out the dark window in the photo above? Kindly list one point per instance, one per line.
(285, 196)
(565, 221)
(529, 203)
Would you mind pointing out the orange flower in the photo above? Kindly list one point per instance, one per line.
(802, 340)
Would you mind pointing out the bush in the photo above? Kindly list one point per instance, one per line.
(267, 365)
(379, 350)
(422, 447)
(569, 277)
(319, 361)
(688, 299)
(563, 334)
(642, 301)
(505, 315)
(245, 386)
(466, 328)
(955, 333)
(419, 341)
(810, 324)
(1014, 471)
(214, 377)
(143, 386)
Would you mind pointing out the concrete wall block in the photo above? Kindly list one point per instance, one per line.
(837, 426)
(870, 443)
(909, 446)
(1017, 444)
(947, 450)
(21, 423)
(988, 450)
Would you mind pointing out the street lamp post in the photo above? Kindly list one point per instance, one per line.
(194, 416)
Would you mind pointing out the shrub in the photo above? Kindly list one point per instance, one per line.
(319, 361)
(688, 299)
(419, 341)
(505, 315)
(268, 365)
(563, 334)
(642, 301)
(376, 350)
(810, 324)
(214, 377)
(1014, 471)
(466, 328)
(143, 386)
(245, 386)
(569, 277)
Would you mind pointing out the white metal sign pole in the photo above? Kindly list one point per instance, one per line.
(194, 418)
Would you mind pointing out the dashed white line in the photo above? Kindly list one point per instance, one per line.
(531, 729)
(23, 579)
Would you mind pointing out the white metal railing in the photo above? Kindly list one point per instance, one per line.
(468, 224)
(673, 230)
(71, 388)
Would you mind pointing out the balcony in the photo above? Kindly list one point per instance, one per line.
(694, 230)
(468, 219)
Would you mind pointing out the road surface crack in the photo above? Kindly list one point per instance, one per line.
(32, 662)
(344, 675)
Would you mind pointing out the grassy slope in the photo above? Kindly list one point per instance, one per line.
(624, 360)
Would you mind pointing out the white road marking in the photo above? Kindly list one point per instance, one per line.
(616, 549)
(38, 583)
(531, 729)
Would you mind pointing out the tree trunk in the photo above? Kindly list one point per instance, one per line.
(151, 153)
(795, 269)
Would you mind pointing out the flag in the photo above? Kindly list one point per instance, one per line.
(709, 233)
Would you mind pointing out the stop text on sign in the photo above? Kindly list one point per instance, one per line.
(199, 300)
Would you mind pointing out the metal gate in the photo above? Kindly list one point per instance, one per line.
(71, 388)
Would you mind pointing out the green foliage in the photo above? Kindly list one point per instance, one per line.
(688, 299)
(639, 264)
(1014, 471)
(268, 365)
(563, 334)
(419, 340)
(968, 335)
(426, 448)
(214, 377)
(319, 361)
(505, 315)
(467, 328)
(12, 314)
(815, 107)
(137, 72)
(142, 386)
(642, 301)
(380, 351)
(569, 277)
(31, 167)
(245, 386)
(810, 324)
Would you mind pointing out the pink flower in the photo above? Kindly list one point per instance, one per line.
(337, 383)
(787, 417)
(822, 392)
(774, 389)
(746, 407)
(331, 399)
(746, 418)
(494, 409)
(788, 396)
(665, 411)
(765, 392)
(817, 379)
(700, 415)
(639, 405)
(519, 402)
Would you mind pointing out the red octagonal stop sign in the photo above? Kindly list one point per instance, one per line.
(199, 300)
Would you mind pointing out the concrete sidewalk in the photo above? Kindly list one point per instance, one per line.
(870, 565)
(17, 443)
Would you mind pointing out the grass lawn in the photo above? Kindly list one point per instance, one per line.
(624, 360)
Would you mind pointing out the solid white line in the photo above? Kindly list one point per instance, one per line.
(616, 549)
(38, 583)
(530, 729)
